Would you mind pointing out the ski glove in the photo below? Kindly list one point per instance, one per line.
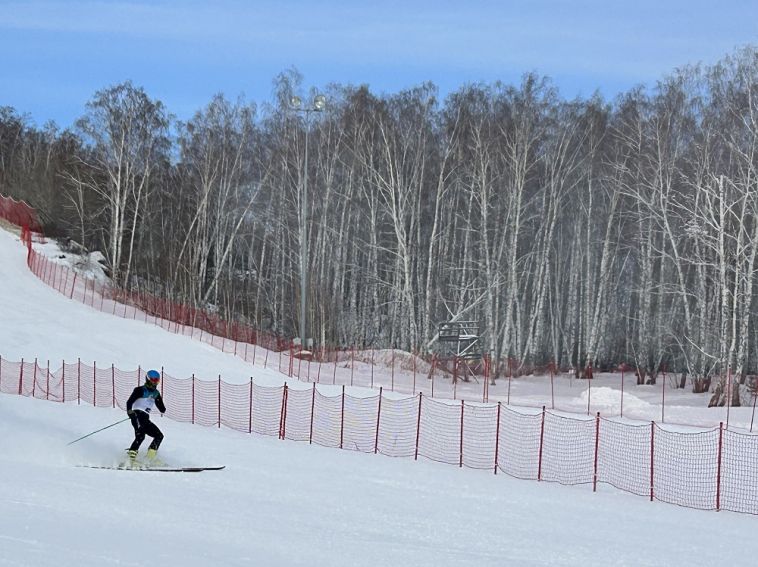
(130, 412)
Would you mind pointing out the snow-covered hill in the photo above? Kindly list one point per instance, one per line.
(39, 322)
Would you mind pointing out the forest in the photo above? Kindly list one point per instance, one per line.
(581, 233)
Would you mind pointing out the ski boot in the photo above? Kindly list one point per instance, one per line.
(132, 459)
(152, 458)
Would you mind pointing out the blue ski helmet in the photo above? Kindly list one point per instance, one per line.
(153, 377)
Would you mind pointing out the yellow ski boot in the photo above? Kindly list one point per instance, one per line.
(132, 463)
(152, 458)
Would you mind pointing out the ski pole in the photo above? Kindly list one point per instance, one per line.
(98, 431)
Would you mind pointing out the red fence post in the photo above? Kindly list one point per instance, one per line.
(597, 444)
(542, 442)
(652, 458)
(460, 464)
(342, 417)
(34, 379)
(21, 378)
(378, 416)
(28, 245)
(250, 409)
(313, 407)
(497, 437)
(285, 395)
(718, 468)
(418, 426)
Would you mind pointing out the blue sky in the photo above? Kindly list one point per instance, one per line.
(55, 55)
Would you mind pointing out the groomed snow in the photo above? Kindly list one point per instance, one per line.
(281, 503)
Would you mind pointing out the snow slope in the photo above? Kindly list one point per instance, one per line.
(282, 503)
(39, 322)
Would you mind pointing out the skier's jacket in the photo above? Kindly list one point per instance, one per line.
(144, 399)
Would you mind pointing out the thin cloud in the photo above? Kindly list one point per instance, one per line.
(183, 49)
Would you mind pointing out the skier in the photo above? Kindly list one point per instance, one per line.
(138, 407)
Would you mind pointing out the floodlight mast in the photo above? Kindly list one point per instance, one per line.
(317, 104)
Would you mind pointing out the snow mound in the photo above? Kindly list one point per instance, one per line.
(605, 399)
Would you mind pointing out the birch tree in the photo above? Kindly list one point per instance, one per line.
(128, 133)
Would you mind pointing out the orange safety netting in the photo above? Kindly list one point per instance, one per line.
(709, 470)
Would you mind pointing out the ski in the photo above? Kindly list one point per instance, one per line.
(155, 469)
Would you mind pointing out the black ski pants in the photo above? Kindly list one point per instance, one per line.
(143, 426)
